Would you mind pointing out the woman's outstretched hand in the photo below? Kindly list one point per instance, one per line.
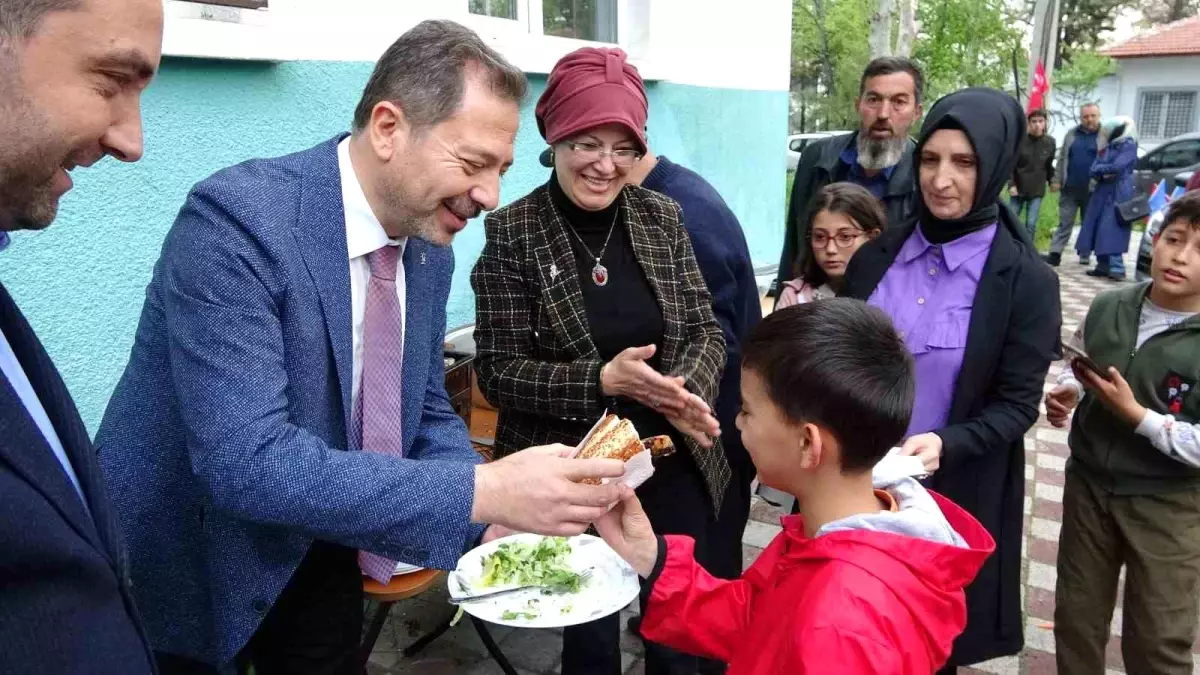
(630, 376)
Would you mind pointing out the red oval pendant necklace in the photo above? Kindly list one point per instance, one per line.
(599, 271)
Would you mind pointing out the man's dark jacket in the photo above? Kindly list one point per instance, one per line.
(821, 164)
(66, 601)
(1035, 166)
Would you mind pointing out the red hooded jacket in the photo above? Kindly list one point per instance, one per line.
(846, 602)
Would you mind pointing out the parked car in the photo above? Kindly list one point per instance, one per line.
(1146, 247)
(1181, 153)
(797, 143)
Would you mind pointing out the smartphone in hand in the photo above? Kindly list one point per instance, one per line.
(1077, 357)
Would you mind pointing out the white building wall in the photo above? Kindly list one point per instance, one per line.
(1175, 72)
(1119, 94)
(699, 42)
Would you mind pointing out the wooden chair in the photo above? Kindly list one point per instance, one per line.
(404, 587)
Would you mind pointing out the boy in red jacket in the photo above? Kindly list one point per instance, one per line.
(870, 579)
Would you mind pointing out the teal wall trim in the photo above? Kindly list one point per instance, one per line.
(81, 282)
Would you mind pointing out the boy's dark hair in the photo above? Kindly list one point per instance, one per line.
(839, 364)
(886, 65)
(1040, 112)
(1184, 209)
(851, 200)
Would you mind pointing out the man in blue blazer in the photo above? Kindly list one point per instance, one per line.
(298, 311)
(65, 601)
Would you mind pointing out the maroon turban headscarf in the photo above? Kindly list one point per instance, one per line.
(590, 87)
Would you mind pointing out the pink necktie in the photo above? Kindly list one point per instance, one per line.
(383, 358)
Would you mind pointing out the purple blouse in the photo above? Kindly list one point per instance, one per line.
(928, 292)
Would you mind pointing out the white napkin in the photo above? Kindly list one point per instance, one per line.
(893, 467)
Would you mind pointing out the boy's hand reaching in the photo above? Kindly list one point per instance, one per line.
(627, 530)
(1060, 401)
(1115, 394)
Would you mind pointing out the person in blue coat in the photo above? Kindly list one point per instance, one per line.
(1104, 231)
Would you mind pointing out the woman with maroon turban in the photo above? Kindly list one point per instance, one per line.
(589, 298)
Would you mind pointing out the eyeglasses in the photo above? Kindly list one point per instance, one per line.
(841, 239)
(590, 152)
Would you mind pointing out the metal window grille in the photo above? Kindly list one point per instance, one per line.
(1166, 114)
(1151, 115)
(1181, 113)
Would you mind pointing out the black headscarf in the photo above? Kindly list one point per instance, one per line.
(995, 124)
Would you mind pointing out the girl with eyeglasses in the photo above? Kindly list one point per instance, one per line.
(845, 216)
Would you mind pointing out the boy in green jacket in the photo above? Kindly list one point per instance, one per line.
(1132, 493)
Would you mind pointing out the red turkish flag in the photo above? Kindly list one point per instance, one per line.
(1037, 94)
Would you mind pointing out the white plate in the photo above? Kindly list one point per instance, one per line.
(612, 586)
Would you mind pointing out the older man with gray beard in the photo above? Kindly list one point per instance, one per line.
(875, 157)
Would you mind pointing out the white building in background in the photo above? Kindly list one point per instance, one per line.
(1157, 83)
(699, 42)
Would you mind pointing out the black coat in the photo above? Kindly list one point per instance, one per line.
(1013, 337)
(65, 601)
(1035, 166)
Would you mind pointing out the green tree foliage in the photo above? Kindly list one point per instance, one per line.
(1081, 23)
(828, 56)
(960, 43)
(1075, 83)
(967, 43)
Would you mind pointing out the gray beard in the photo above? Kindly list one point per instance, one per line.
(876, 155)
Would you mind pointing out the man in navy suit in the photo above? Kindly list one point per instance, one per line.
(298, 311)
(71, 78)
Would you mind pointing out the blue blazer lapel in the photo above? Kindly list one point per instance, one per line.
(415, 372)
(321, 233)
(23, 447)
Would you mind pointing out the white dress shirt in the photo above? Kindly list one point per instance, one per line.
(364, 234)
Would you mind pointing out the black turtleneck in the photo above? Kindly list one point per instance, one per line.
(623, 313)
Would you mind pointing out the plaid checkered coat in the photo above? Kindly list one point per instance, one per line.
(534, 352)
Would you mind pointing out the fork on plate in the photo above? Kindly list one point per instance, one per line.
(548, 590)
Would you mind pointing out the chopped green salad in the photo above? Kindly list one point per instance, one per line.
(521, 564)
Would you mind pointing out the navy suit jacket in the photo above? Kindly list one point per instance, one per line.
(224, 443)
(65, 601)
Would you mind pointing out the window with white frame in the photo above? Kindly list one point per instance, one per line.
(1167, 114)
(499, 9)
(591, 20)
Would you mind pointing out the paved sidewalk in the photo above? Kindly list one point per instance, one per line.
(460, 650)
(1044, 463)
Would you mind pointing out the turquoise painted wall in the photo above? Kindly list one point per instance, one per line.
(82, 281)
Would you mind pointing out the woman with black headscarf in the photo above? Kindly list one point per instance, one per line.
(980, 313)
